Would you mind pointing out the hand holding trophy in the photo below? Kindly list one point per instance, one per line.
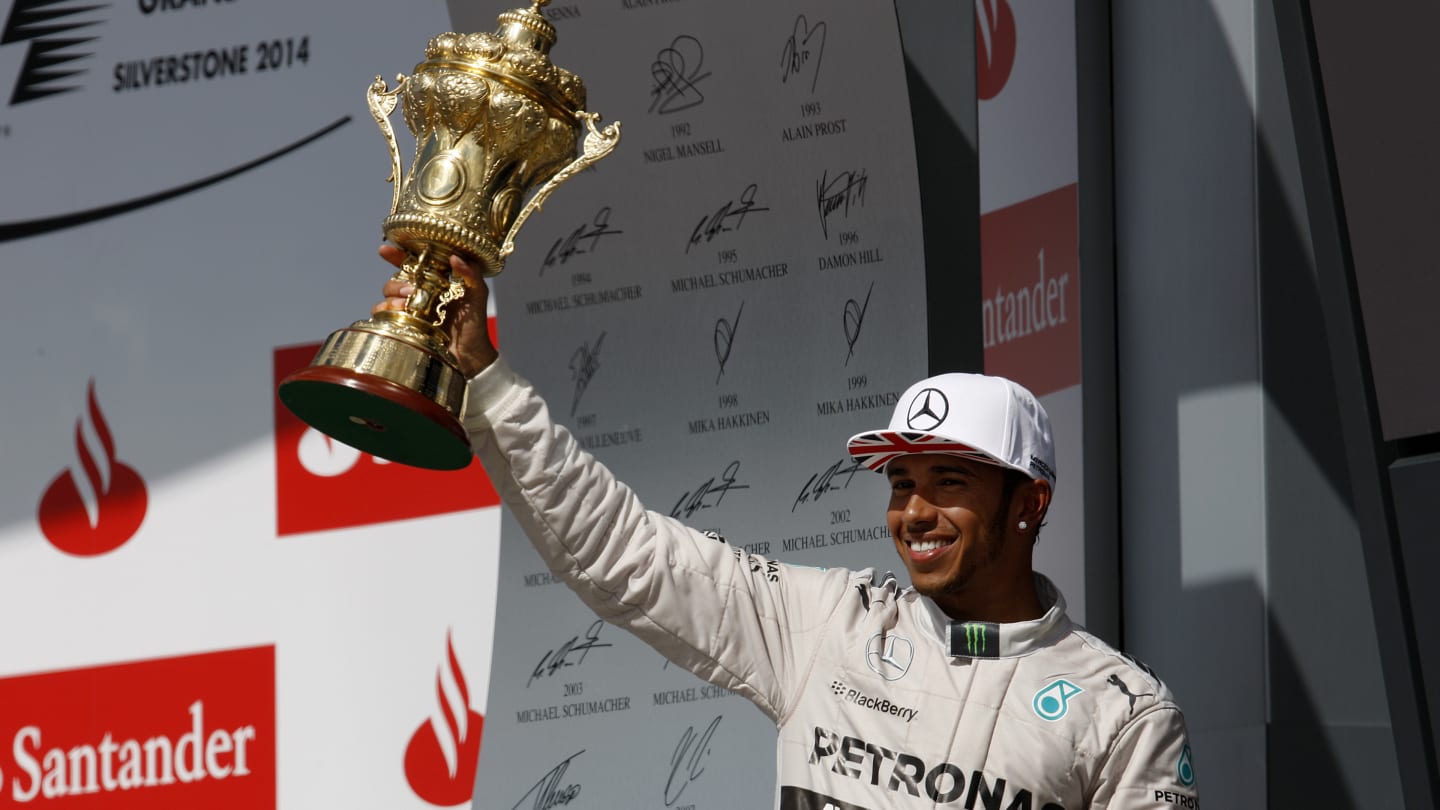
(493, 118)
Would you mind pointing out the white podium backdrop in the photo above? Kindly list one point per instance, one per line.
(716, 355)
(713, 311)
(211, 606)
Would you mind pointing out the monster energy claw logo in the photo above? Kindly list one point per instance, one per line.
(974, 638)
(981, 639)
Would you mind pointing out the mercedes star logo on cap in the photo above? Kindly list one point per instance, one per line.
(928, 410)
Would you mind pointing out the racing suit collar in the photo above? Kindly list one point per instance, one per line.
(994, 640)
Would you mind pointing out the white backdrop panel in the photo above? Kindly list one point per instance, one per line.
(758, 298)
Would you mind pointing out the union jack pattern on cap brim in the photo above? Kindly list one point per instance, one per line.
(875, 450)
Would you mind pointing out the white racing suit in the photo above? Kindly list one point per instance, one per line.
(881, 701)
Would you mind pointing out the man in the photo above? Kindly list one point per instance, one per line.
(972, 689)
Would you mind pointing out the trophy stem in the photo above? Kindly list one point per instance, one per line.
(435, 285)
(428, 281)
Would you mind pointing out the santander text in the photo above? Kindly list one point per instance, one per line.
(128, 764)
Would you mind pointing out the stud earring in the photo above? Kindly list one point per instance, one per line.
(1024, 525)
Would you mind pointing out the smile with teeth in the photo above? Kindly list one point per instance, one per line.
(928, 545)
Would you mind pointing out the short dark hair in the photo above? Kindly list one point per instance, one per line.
(1013, 480)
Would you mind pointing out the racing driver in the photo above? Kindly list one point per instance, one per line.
(972, 688)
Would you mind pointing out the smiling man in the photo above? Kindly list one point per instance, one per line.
(956, 557)
(971, 468)
(970, 689)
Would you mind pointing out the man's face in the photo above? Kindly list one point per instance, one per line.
(947, 516)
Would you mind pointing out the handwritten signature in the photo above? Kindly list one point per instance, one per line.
(588, 235)
(724, 339)
(710, 493)
(854, 319)
(839, 194)
(728, 217)
(676, 71)
(688, 762)
(799, 50)
(547, 792)
(558, 659)
(823, 483)
(583, 365)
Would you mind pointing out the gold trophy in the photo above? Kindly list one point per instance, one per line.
(492, 119)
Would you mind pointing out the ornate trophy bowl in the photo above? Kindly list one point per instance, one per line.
(493, 119)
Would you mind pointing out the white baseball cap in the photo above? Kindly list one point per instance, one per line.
(989, 419)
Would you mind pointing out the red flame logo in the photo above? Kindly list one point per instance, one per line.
(98, 512)
(994, 46)
(444, 752)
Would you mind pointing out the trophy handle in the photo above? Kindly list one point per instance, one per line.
(598, 144)
(382, 103)
(452, 293)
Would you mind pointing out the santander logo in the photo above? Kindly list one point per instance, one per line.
(100, 508)
(323, 456)
(444, 752)
(164, 734)
(1030, 271)
(994, 46)
(322, 484)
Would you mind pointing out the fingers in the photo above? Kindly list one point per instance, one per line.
(465, 270)
(392, 254)
(395, 293)
(396, 304)
(477, 293)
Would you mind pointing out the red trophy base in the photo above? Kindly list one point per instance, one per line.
(404, 407)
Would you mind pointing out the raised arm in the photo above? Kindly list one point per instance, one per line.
(737, 620)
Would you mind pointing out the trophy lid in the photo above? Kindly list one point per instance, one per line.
(517, 55)
(527, 26)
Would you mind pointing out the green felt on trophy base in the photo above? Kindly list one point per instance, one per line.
(377, 417)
